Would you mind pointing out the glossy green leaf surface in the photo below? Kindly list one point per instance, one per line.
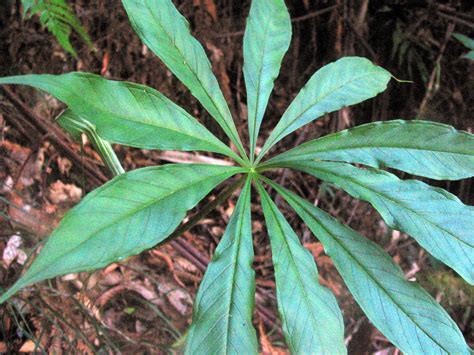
(222, 319)
(423, 148)
(400, 309)
(166, 32)
(266, 40)
(345, 82)
(126, 113)
(127, 215)
(311, 319)
(438, 220)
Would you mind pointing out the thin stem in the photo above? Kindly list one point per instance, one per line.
(76, 126)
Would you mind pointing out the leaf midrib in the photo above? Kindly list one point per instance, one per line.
(259, 82)
(186, 63)
(158, 124)
(129, 214)
(393, 201)
(235, 259)
(318, 101)
(293, 263)
(125, 118)
(342, 148)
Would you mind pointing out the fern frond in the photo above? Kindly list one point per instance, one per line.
(58, 17)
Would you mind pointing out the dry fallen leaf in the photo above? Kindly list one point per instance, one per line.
(13, 252)
(64, 165)
(209, 5)
(23, 214)
(28, 347)
(3, 347)
(60, 192)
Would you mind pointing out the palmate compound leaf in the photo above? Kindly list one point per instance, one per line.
(423, 148)
(400, 309)
(127, 215)
(266, 40)
(127, 113)
(166, 32)
(311, 319)
(222, 319)
(438, 220)
(345, 82)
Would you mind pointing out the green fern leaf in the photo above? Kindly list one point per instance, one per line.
(58, 17)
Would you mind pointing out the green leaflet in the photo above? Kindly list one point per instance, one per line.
(469, 55)
(127, 113)
(438, 220)
(311, 319)
(400, 309)
(166, 32)
(466, 41)
(266, 40)
(222, 319)
(345, 82)
(127, 215)
(421, 148)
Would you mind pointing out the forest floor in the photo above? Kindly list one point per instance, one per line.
(144, 304)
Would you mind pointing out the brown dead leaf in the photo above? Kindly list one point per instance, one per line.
(25, 215)
(211, 8)
(13, 252)
(209, 5)
(60, 192)
(25, 164)
(3, 347)
(105, 64)
(179, 298)
(315, 248)
(64, 165)
(111, 279)
(28, 347)
(167, 259)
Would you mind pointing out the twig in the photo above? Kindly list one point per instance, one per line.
(456, 19)
(314, 14)
(294, 20)
(431, 84)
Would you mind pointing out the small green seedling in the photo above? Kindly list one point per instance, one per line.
(140, 209)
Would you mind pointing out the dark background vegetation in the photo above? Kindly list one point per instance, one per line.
(144, 303)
